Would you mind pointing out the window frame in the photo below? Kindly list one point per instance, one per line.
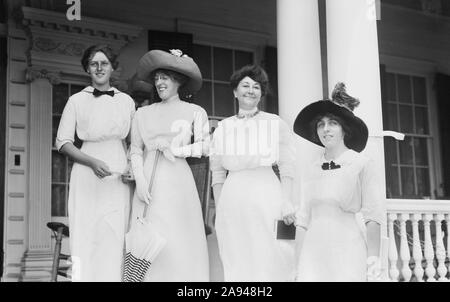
(427, 70)
(69, 80)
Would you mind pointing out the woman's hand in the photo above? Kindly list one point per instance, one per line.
(100, 168)
(128, 176)
(142, 190)
(288, 212)
(163, 145)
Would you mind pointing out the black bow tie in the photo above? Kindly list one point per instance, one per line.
(98, 93)
(330, 166)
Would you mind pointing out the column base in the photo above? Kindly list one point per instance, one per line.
(36, 266)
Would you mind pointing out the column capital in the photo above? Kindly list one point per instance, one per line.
(33, 73)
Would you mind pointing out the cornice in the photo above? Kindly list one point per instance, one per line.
(58, 44)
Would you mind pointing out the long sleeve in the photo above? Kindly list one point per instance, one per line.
(373, 202)
(218, 172)
(67, 126)
(286, 162)
(137, 143)
(200, 146)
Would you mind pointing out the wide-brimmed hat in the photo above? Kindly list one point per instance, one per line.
(175, 61)
(341, 105)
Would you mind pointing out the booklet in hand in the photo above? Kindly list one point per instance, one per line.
(284, 231)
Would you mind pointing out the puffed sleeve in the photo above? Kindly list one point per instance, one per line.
(373, 202)
(218, 172)
(137, 143)
(286, 162)
(67, 125)
(200, 129)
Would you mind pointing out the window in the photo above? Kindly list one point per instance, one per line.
(217, 65)
(406, 110)
(61, 165)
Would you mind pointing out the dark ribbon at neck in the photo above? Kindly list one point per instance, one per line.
(330, 166)
(98, 93)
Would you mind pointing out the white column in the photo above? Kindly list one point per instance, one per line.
(40, 165)
(299, 69)
(352, 46)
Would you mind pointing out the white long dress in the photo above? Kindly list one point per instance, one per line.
(251, 198)
(334, 247)
(175, 209)
(98, 208)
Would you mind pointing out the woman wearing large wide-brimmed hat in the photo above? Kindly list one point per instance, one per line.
(167, 125)
(340, 184)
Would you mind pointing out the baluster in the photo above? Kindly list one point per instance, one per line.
(430, 271)
(417, 248)
(440, 248)
(393, 255)
(447, 220)
(405, 255)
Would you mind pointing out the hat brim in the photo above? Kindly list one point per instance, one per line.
(158, 59)
(303, 123)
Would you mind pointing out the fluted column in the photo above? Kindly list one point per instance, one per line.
(40, 158)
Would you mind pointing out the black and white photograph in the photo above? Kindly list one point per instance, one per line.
(237, 143)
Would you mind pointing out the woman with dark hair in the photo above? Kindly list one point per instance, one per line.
(174, 205)
(334, 243)
(250, 199)
(98, 200)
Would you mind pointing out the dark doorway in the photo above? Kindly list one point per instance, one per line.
(3, 59)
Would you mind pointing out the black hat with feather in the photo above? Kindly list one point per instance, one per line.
(340, 105)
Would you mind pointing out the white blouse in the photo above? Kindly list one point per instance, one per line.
(248, 143)
(354, 187)
(95, 118)
(176, 122)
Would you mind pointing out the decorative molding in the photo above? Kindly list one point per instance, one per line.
(226, 36)
(50, 46)
(53, 77)
(57, 44)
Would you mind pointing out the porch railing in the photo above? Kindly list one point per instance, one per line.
(418, 241)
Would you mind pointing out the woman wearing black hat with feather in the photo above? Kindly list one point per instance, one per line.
(341, 183)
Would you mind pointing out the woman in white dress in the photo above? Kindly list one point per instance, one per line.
(251, 198)
(174, 205)
(98, 200)
(343, 182)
